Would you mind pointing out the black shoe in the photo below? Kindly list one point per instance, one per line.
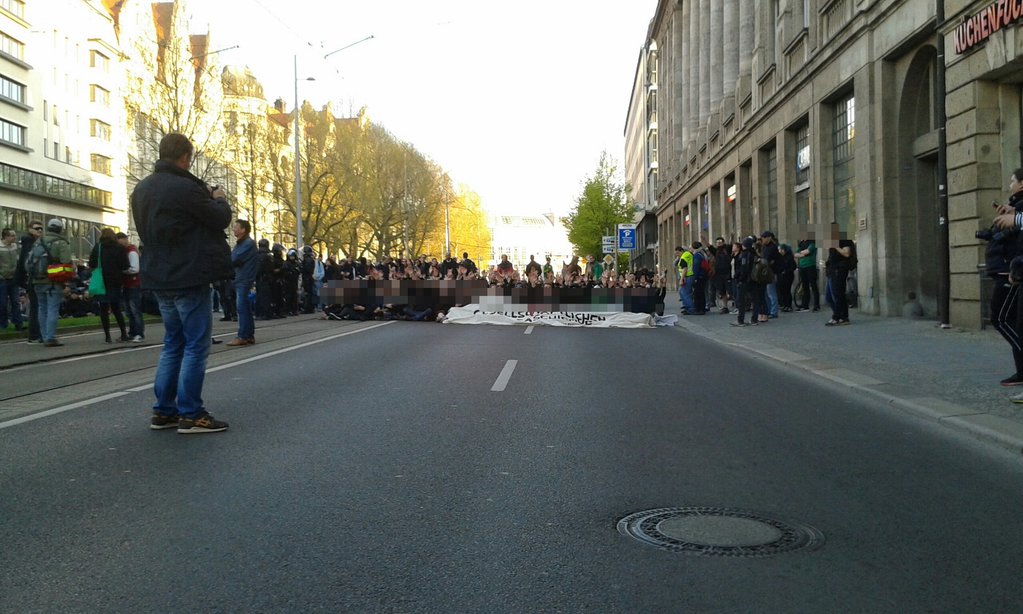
(225, 319)
(1014, 380)
(52, 343)
(160, 422)
(203, 423)
(216, 341)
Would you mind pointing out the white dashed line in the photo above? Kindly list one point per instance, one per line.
(502, 379)
(529, 330)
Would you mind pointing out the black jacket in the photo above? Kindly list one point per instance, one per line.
(21, 273)
(182, 230)
(112, 262)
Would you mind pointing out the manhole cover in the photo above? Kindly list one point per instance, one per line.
(718, 531)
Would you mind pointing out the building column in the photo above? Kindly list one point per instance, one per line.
(717, 48)
(731, 36)
(683, 83)
(747, 12)
(705, 58)
(694, 69)
(677, 96)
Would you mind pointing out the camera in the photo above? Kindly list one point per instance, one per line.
(991, 234)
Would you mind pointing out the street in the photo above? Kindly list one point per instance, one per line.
(371, 467)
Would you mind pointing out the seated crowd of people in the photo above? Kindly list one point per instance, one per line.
(590, 274)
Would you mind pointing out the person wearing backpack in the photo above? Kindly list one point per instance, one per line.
(769, 252)
(51, 248)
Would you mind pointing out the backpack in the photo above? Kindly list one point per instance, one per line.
(762, 273)
(707, 265)
(318, 270)
(40, 263)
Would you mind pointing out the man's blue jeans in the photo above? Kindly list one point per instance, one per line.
(131, 305)
(772, 299)
(188, 324)
(685, 294)
(10, 306)
(49, 296)
(246, 325)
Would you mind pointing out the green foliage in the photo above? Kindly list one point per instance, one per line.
(603, 204)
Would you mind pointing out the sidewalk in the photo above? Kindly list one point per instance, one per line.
(947, 376)
(17, 352)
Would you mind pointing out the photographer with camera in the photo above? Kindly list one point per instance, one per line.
(1004, 244)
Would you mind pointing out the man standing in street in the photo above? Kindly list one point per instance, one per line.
(131, 291)
(806, 260)
(246, 261)
(10, 306)
(181, 222)
(35, 230)
(51, 248)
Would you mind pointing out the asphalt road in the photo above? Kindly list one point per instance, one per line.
(379, 471)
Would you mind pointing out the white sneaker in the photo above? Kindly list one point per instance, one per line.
(1017, 398)
(137, 339)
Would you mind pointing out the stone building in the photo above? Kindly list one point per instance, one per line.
(823, 116)
(641, 156)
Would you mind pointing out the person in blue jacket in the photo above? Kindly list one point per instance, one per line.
(245, 258)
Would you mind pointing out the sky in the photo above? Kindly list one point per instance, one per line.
(515, 100)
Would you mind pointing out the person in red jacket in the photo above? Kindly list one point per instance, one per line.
(131, 291)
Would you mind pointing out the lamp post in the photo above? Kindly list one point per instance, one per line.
(298, 167)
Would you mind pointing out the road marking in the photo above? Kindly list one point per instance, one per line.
(502, 379)
(114, 395)
(529, 330)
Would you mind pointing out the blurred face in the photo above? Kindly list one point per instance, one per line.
(36, 230)
(238, 231)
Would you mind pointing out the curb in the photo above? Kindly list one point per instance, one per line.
(1005, 433)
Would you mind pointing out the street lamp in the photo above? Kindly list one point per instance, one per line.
(298, 168)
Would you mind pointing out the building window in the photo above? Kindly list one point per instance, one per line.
(771, 189)
(23, 180)
(12, 47)
(844, 137)
(12, 90)
(802, 178)
(67, 155)
(98, 129)
(98, 60)
(12, 133)
(101, 164)
(100, 95)
(14, 7)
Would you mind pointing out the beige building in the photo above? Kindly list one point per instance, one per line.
(522, 236)
(817, 115)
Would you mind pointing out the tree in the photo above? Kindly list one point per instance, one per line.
(603, 204)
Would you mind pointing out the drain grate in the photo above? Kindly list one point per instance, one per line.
(718, 531)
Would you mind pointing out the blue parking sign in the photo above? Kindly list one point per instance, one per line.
(626, 236)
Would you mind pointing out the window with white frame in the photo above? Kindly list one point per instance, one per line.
(98, 60)
(12, 133)
(12, 46)
(99, 129)
(99, 94)
(14, 7)
(101, 164)
(12, 90)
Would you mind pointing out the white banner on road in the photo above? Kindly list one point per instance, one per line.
(472, 314)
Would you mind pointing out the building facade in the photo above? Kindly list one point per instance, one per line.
(641, 156)
(61, 118)
(522, 236)
(823, 118)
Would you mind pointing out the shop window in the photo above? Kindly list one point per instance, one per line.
(844, 139)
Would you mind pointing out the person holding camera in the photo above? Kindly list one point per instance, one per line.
(1004, 244)
(181, 222)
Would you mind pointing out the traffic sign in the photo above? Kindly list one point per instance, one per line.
(607, 249)
(607, 240)
(626, 236)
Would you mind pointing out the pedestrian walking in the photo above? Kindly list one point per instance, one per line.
(131, 291)
(181, 222)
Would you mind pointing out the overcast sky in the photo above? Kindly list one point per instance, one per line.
(517, 100)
